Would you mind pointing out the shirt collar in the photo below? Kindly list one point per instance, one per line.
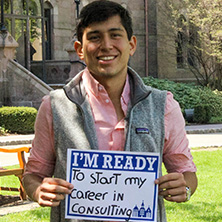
(95, 87)
(125, 97)
(90, 83)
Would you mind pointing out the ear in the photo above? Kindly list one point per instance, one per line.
(133, 44)
(79, 49)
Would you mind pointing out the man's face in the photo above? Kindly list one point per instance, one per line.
(106, 49)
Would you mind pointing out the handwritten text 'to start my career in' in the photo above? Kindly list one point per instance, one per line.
(117, 162)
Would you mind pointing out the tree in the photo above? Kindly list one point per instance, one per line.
(198, 33)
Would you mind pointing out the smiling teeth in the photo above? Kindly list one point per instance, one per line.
(107, 58)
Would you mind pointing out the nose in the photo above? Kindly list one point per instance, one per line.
(106, 43)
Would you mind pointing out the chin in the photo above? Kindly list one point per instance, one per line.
(106, 73)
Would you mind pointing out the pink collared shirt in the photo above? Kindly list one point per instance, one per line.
(110, 131)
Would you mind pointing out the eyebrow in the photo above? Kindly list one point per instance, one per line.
(110, 30)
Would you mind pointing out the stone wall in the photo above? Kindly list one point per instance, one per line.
(138, 60)
(24, 88)
(18, 86)
(161, 60)
(63, 13)
(167, 56)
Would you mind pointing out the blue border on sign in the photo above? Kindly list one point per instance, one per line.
(124, 154)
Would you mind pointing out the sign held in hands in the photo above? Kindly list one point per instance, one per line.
(112, 186)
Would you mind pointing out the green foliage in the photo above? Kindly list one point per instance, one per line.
(18, 119)
(215, 120)
(202, 113)
(190, 96)
(3, 131)
(196, 26)
(214, 98)
(183, 93)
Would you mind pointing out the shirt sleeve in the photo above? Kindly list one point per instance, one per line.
(42, 156)
(176, 154)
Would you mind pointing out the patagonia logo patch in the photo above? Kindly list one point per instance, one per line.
(142, 131)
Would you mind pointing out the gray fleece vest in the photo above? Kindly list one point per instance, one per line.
(74, 127)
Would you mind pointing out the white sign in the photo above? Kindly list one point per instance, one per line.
(112, 186)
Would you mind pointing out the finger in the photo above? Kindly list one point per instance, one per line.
(54, 188)
(173, 192)
(48, 203)
(174, 195)
(172, 184)
(58, 181)
(178, 198)
(50, 199)
(171, 181)
(52, 196)
(169, 177)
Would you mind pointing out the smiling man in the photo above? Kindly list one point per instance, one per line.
(107, 107)
(105, 48)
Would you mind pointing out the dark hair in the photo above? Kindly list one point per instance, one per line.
(102, 10)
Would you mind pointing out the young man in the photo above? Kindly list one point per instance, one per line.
(101, 108)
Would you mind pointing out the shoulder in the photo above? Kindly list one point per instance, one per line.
(171, 103)
(157, 96)
(46, 104)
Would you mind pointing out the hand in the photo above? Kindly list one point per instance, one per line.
(52, 191)
(172, 187)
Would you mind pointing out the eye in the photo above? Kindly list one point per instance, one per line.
(116, 35)
(93, 38)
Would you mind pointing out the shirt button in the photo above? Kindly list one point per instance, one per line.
(100, 88)
(107, 101)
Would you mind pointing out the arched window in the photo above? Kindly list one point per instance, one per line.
(193, 52)
(48, 30)
(181, 42)
(26, 22)
(187, 44)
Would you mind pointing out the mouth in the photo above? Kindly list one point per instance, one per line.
(106, 58)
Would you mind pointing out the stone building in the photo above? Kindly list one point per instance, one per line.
(44, 31)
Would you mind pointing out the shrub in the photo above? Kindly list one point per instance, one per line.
(189, 95)
(2, 131)
(202, 113)
(214, 99)
(185, 94)
(18, 119)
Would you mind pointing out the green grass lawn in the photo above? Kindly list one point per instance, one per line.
(205, 205)
(9, 181)
(38, 214)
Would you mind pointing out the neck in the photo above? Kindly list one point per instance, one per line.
(114, 89)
